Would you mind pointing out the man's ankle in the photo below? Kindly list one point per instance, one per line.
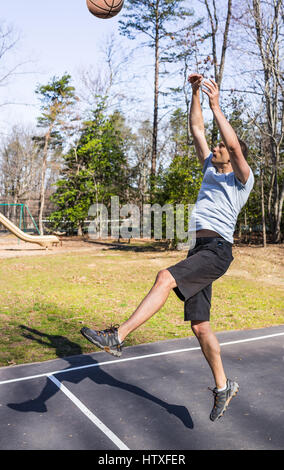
(221, 386)
(120, 335)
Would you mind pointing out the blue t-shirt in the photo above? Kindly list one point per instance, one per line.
(220, 199)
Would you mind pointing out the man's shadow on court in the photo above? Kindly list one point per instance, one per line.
(62, 345)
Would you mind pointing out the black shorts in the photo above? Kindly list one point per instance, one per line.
(206, 262)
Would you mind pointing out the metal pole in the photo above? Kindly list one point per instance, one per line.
(33, 220)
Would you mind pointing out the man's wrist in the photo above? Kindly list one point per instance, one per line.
(196, 92)
(215, 108)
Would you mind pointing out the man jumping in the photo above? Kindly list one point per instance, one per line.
(227, 183)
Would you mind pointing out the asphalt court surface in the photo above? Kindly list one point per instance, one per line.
(154, 397)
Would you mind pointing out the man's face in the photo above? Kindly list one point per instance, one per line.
(220, 154)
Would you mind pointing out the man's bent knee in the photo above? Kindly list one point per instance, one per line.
(165, 278)
(200, 328)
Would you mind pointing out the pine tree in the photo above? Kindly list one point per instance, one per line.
(56, 98)
(157, 20)
(95, 169)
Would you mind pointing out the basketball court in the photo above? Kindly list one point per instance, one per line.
(154, 397)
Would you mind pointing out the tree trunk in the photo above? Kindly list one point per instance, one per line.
(262, 209)
(42, 184)
(246, 231)
(218, 70)
(240, 231)
(279, 216)
(80, 230)
(14, 208)
(267, 33)
(155, 116)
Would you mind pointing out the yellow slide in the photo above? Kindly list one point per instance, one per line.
(45, 240)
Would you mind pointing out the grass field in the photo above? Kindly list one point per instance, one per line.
(45, 300)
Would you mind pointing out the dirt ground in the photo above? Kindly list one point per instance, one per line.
(256, 262)
(11, 247)
(251, 261)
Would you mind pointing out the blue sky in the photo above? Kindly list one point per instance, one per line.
(56, 36)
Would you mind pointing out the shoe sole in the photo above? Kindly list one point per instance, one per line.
(107, 349)
(228, 401)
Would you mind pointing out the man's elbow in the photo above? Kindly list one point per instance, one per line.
(197, 130)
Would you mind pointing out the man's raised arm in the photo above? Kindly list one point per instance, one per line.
(196, 121)
(229, 137)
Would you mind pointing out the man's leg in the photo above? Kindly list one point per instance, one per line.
(111, 339)
(225, 389)
(153, 302)
(211, 350)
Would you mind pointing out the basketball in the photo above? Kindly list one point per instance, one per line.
(105, 8)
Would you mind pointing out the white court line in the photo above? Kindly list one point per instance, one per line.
(132, 359)
(89, 414)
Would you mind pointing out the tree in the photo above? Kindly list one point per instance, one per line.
(262, 31)
(10, 66)
(95, 168)
(57, 97)
(155, 20)
(19, 166)
(218, 64)
(183, 176)
(8, 40)
(179, 183)
(183, 53)
(106, 80)
(269, 41)
(141, 149)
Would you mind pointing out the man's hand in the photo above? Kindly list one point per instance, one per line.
(212, 92)
(195, 79)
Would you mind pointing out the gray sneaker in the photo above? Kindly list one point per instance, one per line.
(105, 339)
(222, 399)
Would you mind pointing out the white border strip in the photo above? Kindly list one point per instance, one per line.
(132, 359)
(89, 414)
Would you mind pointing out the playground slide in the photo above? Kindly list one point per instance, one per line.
(45, 240)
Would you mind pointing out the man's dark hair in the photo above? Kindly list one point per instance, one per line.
(244, 148)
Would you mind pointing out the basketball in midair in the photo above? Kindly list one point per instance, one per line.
(105, 8)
